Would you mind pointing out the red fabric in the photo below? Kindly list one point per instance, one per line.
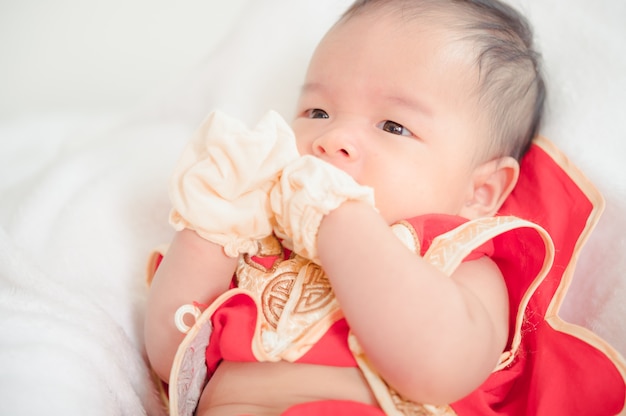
(554, 373)
(333, 408)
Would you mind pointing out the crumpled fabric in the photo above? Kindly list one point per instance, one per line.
(221, 183)
(310, 188)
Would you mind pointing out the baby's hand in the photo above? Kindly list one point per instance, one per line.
(310, 188)
(220, 187)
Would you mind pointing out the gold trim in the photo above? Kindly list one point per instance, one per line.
(552, 314)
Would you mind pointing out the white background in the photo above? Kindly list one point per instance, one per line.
(101, 56)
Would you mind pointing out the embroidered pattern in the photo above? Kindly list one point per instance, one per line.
(275, 297)
(297, 303)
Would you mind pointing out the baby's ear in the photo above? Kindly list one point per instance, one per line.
(492, 182)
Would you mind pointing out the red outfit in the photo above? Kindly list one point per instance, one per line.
(549, 367)
(560, 369)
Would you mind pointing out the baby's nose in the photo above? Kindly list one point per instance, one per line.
(336, 144)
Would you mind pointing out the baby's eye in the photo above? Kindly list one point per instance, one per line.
(394, 128)
(316, 113)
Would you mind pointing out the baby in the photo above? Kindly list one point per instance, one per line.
(410, 125)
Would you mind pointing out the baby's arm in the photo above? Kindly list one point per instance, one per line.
(219, 193)
(434, 339)
(193, 269)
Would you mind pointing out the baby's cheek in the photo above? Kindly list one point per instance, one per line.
(303, 139)
(304, 146)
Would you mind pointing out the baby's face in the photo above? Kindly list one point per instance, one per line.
(393, 104)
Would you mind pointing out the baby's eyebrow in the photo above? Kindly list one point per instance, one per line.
(393, 99)
(312, 87)
(411, 103)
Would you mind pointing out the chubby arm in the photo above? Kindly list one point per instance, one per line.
(193, 269)
(433, 338)
(219, 189)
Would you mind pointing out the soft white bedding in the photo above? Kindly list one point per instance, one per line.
(83, 198)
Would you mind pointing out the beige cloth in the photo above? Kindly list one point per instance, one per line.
(310, 188)
(221, 183)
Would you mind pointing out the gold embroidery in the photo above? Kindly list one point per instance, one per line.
(296, 300)
(275, 296)
(448, 250)
(317, 292)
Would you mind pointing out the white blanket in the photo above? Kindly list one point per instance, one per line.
(83, 199)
